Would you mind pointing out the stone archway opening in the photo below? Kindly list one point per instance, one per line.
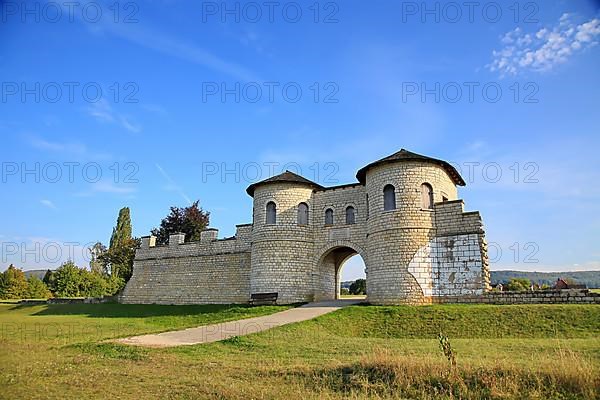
(351, 271)
(330, 271)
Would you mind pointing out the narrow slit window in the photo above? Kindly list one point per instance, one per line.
(350, 215)
(329, 216)
(389, 198)
(426, 196)
(303, 214)
(271, 213)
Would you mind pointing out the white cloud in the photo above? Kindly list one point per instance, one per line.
(543, 50)
(154, 109)
(72, 149)
(172, 186)
(169, 45)
(130, 126)
(42, 144)
(48, 204)
(174, 47)
(123, 190)
(109, 187)
(102, 111)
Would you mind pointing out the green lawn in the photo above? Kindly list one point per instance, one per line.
(504, 352)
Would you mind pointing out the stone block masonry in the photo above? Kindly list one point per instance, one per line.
(454, 263)
(565, 296)
(207, 272)
(403, 217)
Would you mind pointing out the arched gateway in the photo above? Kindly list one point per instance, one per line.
(329, 264)
(416, 244)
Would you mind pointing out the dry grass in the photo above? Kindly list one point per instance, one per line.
(387, 376)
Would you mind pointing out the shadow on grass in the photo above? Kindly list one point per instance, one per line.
(116, 310)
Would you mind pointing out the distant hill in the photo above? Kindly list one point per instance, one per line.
(589, 278)
(39, 273)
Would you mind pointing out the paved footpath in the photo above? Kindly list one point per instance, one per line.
(225, 330)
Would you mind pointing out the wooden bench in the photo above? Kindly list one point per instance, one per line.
(263, 298)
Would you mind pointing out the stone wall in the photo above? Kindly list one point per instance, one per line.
(207, 272)
(455, 261)
(569, 296)
(449, 265)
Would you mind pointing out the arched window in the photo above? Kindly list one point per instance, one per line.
(271, 213)
(426, 196)
(302, 214)
(350, 215)
(389, 198)
(329, 216)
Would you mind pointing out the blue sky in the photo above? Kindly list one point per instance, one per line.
(146, 97)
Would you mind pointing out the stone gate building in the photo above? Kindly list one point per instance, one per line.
(402, 216)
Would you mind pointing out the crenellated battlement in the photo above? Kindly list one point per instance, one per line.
(209, 244)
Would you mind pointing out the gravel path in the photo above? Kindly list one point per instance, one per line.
(225, 330)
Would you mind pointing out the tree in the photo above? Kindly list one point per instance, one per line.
(2, 286)
(68, 280)
(96, 264)
(92, 284)
(518, 284)
(72, 281)
(122, 232)
(119, 260)
(13, 284)
(359, 286)
(115, 264)
(50, 281)
(37, 289)
(114, 285)
(190, 220)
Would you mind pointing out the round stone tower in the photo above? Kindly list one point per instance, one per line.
(282, 246)
(400, 189)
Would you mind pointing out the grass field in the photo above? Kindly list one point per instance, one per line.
(503, 352)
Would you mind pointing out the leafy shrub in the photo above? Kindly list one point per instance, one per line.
(13, 284)
(518, 284)
(359, 286)
(37, 289)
